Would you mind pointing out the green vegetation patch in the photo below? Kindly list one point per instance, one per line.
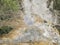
(8, 8)
(5, 30)
(9, 5)
(6, 17)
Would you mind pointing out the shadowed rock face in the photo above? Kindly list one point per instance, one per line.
(58, 27)
(54, 7)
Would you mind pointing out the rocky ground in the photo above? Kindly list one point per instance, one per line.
(34, 28)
